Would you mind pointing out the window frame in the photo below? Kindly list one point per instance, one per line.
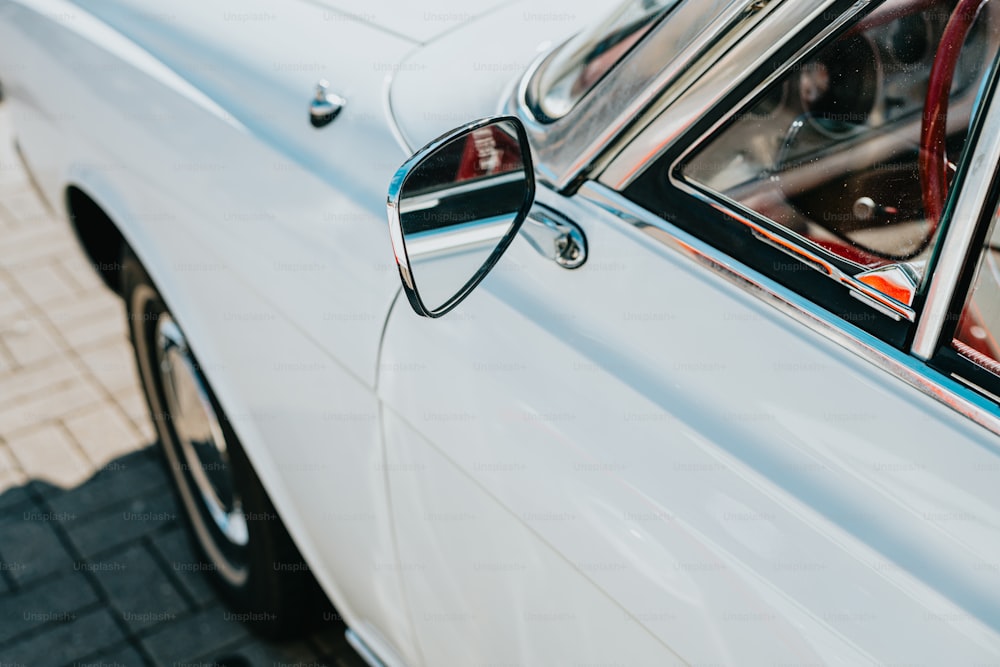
(571, 148)
(971, 255)
(810, 40)
(734, 228)
(938, 376)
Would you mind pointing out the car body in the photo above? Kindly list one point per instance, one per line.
(727, 437)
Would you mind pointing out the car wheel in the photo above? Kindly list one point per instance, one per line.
(245, 548)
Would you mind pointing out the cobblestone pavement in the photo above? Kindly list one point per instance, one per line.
(95, 566)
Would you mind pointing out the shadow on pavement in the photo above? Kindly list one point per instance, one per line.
(103, 574)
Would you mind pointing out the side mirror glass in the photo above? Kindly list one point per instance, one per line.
(455, 206)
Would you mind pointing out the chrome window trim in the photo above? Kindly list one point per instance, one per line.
(532, 94)
(796, 246)
(961, 226)
(672, 118)
(914, 372)
(568, 147)
(699, 100)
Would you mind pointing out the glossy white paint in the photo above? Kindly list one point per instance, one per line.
(419, 21)
(631, 463)
(812, 514)
(494, 50)
(483, 589)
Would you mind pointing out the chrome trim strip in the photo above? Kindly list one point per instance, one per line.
(362, 649)
(908, 369)
(798, 247)
(733, 68)
(518, 106)
(958, 236)
(974, 386)
(876, 304)
(865, 293)
(568, 146)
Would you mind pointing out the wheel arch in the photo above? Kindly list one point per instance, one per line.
(97, 233)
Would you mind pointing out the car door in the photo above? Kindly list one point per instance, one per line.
(190, 125)
(688, 449)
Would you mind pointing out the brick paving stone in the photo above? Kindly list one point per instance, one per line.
(139, 590)
(260, 653)
(97, 318)
(47, 453)
(44, 282)
(12, 498)
(104, 433)
(11, 474)
(206, 632)
(174, 547)
(113, 485)
(19, 418)
(29, 545)
(113, 365)
(31, 243)
(124, 523)
(64, 643)
(11, 303)
(28, 340)
(122, 656)
(7, 218)
(133, 404)
(55, 599)
(76, 275)
(78, 267)
(37, 379)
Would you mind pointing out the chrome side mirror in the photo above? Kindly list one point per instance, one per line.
(455, 206)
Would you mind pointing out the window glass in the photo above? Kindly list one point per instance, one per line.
(852, 150)
(585, 59)
(978, 332)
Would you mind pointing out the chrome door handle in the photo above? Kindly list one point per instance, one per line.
(325, 105)
(555, 237)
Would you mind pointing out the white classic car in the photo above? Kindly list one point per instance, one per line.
(730, 396)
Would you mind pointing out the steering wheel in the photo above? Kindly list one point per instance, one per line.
(934, 165)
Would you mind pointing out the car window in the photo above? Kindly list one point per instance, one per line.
(977, 337)
(852, 150)
(585, 59)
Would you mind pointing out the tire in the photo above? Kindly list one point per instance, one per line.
(246, 550)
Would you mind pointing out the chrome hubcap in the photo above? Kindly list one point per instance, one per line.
(199, 436)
